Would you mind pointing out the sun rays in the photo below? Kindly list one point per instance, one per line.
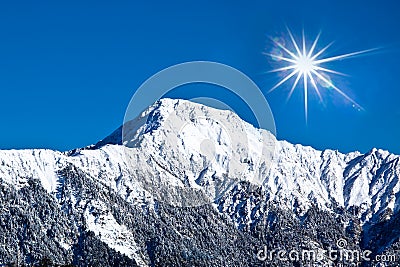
(303, 65)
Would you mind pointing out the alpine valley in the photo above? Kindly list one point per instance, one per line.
(185, 184)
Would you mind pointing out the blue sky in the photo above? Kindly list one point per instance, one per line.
(69, 68)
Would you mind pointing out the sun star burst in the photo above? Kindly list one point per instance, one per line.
(304, 65)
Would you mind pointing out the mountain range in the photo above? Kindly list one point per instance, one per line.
(184, 184)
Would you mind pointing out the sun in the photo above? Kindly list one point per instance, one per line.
(304, 65)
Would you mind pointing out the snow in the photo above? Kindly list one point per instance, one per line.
(187, 154)
(18, 165)
(65, 245)
(103, 224)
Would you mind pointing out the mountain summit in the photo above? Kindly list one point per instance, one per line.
(187, 185)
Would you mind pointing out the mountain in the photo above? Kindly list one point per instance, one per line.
(187, 185)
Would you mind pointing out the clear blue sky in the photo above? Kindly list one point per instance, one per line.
(69, 68)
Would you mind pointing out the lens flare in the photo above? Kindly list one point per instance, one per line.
(303, 65)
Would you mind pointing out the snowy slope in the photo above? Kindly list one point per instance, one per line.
(186, 154)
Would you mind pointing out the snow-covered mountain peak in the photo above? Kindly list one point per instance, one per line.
(188, 154)
(156, 115)
(185, 146)
(185, 154)
(199, 145)
(204, 148)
